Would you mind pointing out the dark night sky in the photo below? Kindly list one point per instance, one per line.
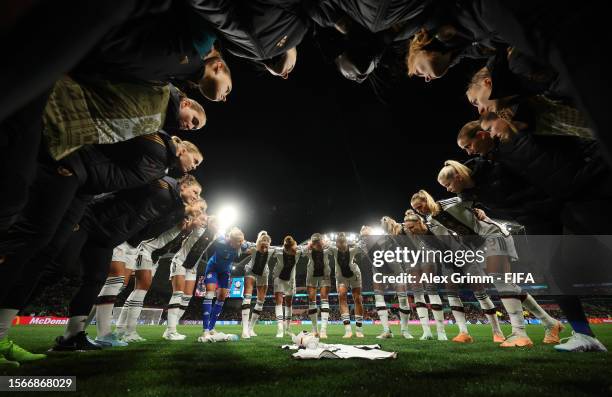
(318, 153)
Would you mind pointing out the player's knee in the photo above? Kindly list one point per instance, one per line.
(209, 295)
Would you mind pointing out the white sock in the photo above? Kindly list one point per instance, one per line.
(436, 308)
(533, 307)
(246, 311)
(257, 312)
(422, 311)
(508, 294)
(359, 323)
(346, 320)
(458, 313)
(6, 320)
(104, 317)
(173, 310)
(183, 308)
(324, 314)
(103, 310)
(381, 309)
(134, 304)
(514, 307)
(278, 312)
(404, 310)
(312, 313)
(489, 310)
(75, 325)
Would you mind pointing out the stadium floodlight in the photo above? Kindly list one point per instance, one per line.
(227, 217)
(352, 237)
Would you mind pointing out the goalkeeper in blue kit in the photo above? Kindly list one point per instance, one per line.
(223, 253)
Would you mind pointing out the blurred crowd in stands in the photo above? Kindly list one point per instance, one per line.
(53, 303)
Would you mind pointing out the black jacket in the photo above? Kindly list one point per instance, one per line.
(153, 48)
(172, 123)
(374, 15)
(253, 29)
(122, 165)
(563, 167)
(520, 74)
(115, 218)
(504, 195)
(473, 37)
(158, 226)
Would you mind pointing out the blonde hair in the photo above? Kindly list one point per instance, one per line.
(189, 180)
(190, 147)
(203, 204)
(236, 233)
(411, 216)
(417, 46)
(469, 130)
(390, 226)
(423, 195)
(262, 237)
(452, 168)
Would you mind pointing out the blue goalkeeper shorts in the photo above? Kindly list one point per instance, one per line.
(222, 279)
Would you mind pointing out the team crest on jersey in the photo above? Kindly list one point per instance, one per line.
(209, 276)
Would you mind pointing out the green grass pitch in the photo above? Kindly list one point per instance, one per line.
(258, 367)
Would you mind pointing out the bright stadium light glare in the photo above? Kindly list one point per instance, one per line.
(377, 231)
(227, 217)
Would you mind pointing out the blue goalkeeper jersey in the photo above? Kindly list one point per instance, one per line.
(223, 255)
